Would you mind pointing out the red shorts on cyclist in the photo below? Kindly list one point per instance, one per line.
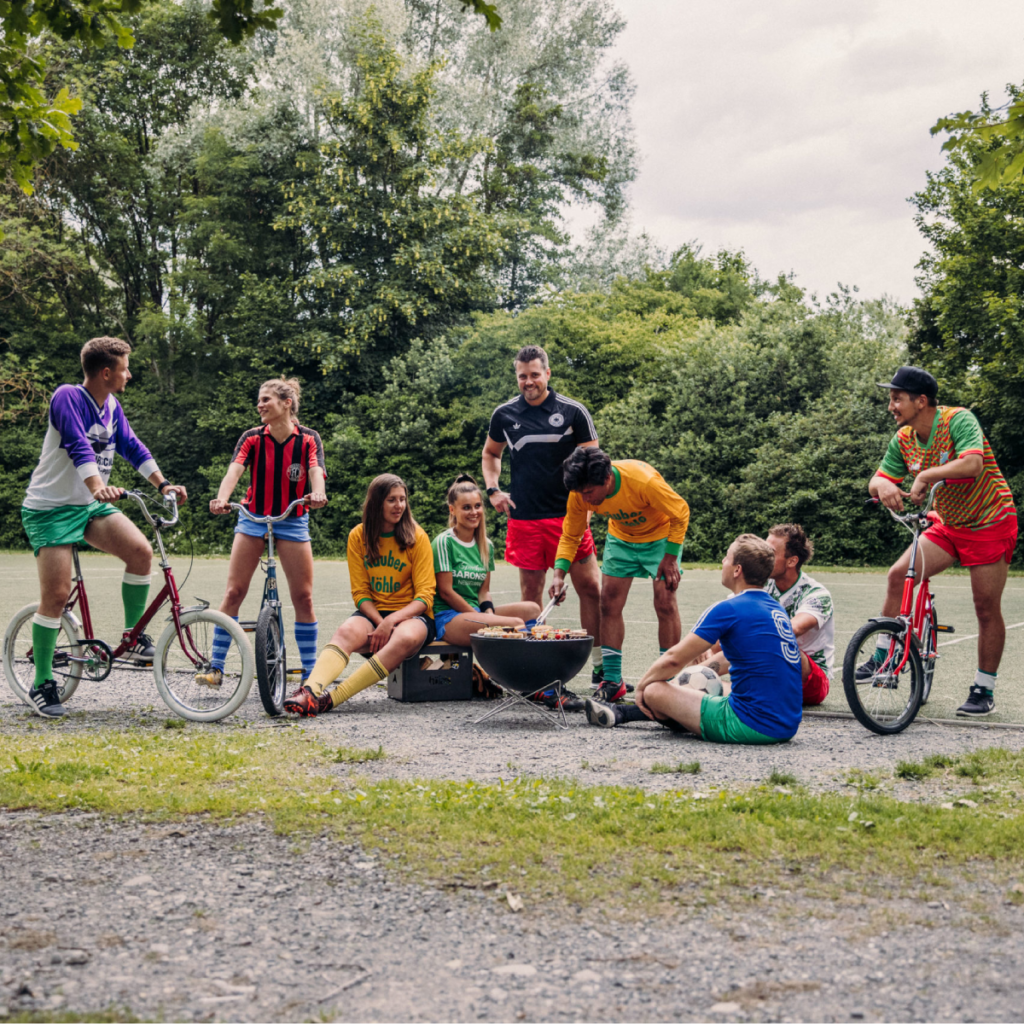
(977, 547)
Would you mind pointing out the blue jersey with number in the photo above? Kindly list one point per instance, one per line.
(756, 637)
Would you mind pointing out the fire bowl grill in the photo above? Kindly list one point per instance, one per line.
(526, 667)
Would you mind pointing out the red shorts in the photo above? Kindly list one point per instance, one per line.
(815, 685)
(532, 543)
(977, 547)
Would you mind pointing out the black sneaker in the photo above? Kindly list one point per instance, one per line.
(605, 715)
(866, 672)
(609, 693)
(46, 700)
(597, 677)
(566, 701)
(141, 652)
(979, 702)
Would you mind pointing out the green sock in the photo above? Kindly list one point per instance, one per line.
(612, 661)
(44, 642)
(134, 594)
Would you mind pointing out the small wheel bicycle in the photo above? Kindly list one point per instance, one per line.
(183, 651)
(271, 652)
(889, 664)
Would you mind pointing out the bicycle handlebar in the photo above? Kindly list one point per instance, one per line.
(157, 522)
(919, 514)
(263, 520)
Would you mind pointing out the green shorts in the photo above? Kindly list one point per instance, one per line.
(720, 724)
(52, 527)
(627, 558)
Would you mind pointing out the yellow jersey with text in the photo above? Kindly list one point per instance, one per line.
(395, 577)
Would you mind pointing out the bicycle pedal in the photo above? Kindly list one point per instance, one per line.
(945, 629)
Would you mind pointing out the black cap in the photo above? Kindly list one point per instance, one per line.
(915, 380)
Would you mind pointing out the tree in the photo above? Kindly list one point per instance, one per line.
(397, 256)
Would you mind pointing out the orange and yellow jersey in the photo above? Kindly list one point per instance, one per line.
(971, 503)
(641, 508)
(395, 577)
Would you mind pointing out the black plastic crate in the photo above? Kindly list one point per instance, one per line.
(439, 671)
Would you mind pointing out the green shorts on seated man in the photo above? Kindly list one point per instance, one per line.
(764, 705)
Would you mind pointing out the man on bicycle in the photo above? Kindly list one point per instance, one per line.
(979, 520)
(67, 502)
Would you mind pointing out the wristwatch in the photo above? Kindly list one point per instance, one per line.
(163, 483)
(492, 490)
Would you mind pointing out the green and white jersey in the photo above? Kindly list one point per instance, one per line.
(807, 595)
(463, 561)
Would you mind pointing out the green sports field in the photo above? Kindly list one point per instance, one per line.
(857, 596)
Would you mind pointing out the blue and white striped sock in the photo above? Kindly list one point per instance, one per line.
(221, 646)
(611, 658)
(305, 638)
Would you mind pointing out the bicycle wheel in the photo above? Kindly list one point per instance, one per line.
(929, 653)
(19, 665)
(271, 670)
(884, 700)
(178, 660)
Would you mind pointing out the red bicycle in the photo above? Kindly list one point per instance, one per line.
(890, 663)
(182, 654)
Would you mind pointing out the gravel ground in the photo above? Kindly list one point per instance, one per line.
(192, 922)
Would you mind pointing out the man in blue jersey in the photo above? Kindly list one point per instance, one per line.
(764, 705)
(67, 502)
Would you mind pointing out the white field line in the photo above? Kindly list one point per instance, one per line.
(971, 636)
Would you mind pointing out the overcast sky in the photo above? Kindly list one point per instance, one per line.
(796, 129)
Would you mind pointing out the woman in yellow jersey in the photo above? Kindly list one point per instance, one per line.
(391, 570)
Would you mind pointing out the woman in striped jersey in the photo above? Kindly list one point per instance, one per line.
(463, 563)
(286, 461)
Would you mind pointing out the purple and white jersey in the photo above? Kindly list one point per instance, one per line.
(80, 442)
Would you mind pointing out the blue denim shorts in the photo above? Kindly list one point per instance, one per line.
(292, 528)
(441, 620)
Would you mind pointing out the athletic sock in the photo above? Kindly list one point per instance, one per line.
(611, 658)
(221, 646)
(366, 675)
(629, 713)
(134, 594)
(44, 642)
(331, 663)
(596, 656)
(986, 680)
(882, 648)
(662, 651)
(305, 639)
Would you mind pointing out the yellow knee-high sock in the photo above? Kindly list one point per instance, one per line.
(366, 675)
(331, 663)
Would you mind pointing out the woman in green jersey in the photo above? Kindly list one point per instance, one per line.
(463, 563)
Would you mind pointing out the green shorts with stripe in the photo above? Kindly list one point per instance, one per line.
(720, 724)
(53, 527)
(626, 558)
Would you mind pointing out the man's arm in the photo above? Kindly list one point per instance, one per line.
(802, 622)
(663, 498)
(671, 663)
(574, 525)
(491, 466)
(966, 467)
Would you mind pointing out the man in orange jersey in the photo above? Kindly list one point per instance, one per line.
(648, 522)
(979, 520)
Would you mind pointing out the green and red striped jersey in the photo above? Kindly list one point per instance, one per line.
(971, 503)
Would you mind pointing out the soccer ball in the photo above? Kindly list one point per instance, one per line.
(700, 677)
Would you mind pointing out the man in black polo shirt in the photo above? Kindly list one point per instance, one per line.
(540, 429)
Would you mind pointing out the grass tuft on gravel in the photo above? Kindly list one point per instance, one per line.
(682, 768)
(541, 837)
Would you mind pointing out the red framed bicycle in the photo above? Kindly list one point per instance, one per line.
(183, 653)
(889, 664)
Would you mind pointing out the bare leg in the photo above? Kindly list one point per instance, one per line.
(586, 579)
(987, 582)
(118, 535)
(614, 592)
(54, 568)
(463, 626)
(670, 629)
(935, 560)
(531, 585)
(680, 703)
(524, 610)
(297, 562)
(246, 552)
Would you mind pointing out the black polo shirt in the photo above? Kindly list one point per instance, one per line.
(540, 438)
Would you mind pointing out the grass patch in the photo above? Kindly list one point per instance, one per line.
(108, 1016)
(778, 778)
(915, 771)
(357, 755)
(683, 768)
(541, 837)
(174, 723)
(972, 767)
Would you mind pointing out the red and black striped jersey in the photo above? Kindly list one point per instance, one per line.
(280, 470)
